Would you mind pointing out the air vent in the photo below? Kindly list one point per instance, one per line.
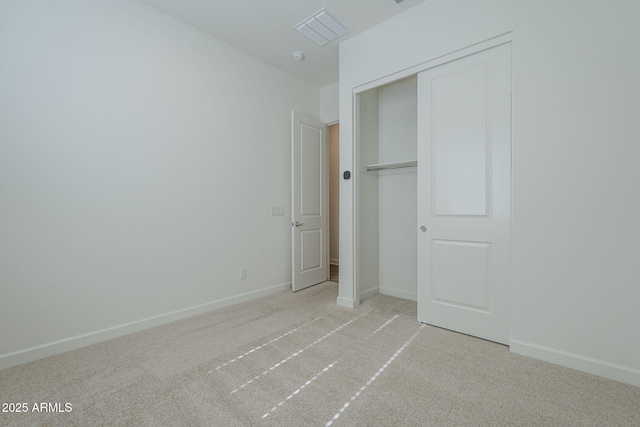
(321, 27)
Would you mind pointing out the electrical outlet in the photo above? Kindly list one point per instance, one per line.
(243, 273)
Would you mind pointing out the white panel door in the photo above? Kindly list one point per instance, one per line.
(309, 201)
(464, 187)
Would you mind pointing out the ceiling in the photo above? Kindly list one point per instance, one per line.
(265, 29)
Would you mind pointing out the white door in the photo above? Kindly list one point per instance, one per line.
(309, 201)
(464, 187)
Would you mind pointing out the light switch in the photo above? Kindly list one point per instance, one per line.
(277, 210)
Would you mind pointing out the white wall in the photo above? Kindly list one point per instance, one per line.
(139, 158)
(367, 209)
(574, 280)
(398, 190)
(329, 95)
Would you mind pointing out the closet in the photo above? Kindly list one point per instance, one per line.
(386, 135)
(433, 197)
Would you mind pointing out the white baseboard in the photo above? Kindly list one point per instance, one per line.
(346, 302)
(601, 368)
(398, 293)
(368, 293)
(56, 347)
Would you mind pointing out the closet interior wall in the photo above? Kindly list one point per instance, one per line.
(387, 201)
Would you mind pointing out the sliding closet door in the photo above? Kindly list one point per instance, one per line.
(464, 186)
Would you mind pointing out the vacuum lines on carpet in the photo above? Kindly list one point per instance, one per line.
(283, 361)
(310, 381)
(373, 378)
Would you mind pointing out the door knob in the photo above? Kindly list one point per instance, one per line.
(298, 224)
(423, 228)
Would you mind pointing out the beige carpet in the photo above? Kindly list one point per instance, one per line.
(300, 360)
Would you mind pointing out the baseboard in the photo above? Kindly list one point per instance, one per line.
(368, 293)
(601, 368)
(346, 302)
(56, 347)
(399, 293)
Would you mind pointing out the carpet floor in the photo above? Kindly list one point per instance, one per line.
(300, 360)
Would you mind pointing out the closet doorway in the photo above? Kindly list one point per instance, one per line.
(433, 191)
(386, 188)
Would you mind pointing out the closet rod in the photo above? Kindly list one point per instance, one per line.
(394, 165)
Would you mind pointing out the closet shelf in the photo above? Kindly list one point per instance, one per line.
(392, 165)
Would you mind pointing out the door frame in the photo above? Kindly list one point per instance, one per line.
(382, 81)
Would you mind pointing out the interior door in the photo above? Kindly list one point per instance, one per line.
(309, 201)
(464, 194)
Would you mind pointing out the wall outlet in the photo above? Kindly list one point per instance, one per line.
(277, 210)
(243, 273)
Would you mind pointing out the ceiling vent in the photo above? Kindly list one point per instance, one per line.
(321, 28)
